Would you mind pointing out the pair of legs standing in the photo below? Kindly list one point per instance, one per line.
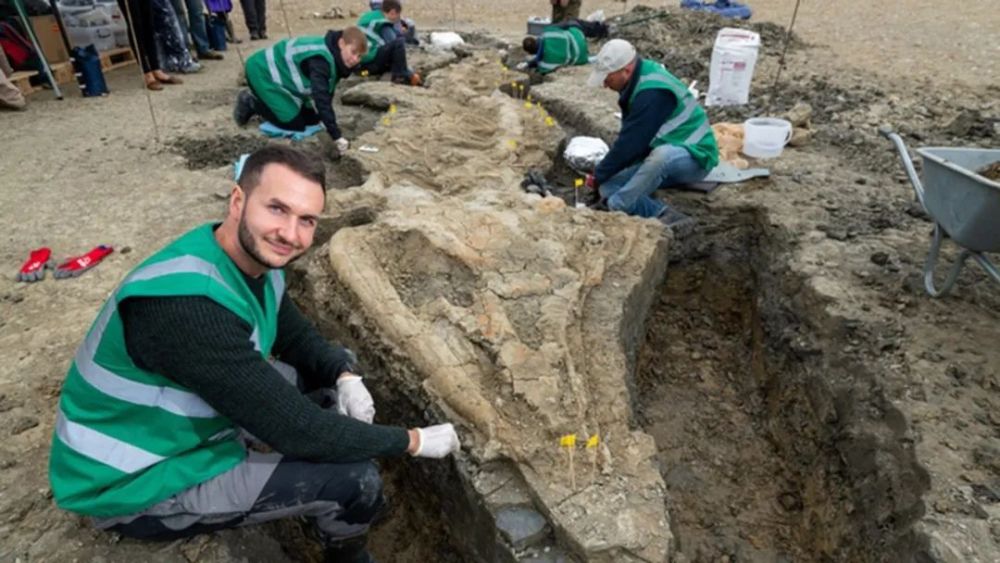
(138, 15)
(255, 14)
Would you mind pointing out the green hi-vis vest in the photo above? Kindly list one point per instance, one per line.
(688, 126)
(562, 47)
(125, 438)
(275, 73)
(371, 23)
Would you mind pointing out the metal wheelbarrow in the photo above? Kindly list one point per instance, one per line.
(964, 206)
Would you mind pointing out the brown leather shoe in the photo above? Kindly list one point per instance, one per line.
(154, 85)
(415, 79)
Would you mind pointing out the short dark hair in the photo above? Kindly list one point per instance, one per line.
(390, 5)
(530, 44)
(309, 167)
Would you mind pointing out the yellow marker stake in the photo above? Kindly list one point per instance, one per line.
(512, 144)
(527, 105)
(578, 183)
(386, 121)
(592, 448)
(549, 121)
(520, 91)
(569, 442)
(392, 108)
(364, 74)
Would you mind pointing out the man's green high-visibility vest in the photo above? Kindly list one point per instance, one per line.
(371, 23)
(275, 74)
(688, 125)
(126, 438)
(562, 47)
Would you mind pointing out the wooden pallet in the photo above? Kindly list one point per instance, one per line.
(116, 58)
(22, 79)
(63, 72)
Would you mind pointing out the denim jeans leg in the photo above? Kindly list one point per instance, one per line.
(666, 165)
(196, 24)
(615, 183)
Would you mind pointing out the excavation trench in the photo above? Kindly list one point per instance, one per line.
(773, 446)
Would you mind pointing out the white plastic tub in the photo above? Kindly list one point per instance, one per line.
(765, 137)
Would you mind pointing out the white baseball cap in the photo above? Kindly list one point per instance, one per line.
(614, 55)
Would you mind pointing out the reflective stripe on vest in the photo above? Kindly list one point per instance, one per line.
(103, 448)
(688, 105)
(291, 49)
(108, 450)
(571, 52)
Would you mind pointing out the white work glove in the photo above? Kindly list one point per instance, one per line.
(522, 65)
(342, 145)
(437, 441)
(354, 400)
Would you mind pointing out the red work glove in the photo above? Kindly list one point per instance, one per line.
(590, 182)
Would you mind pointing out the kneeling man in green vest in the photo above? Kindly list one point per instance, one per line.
(197, 358)
(562, 44)
(292, 82)
(386, 46)
(665, 137)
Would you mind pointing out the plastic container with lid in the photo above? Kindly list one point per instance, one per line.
(765, 137)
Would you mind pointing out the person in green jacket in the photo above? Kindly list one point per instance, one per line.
(562, 44)
(665, 138)
(386, 46)
(291, 83)
(199, 363)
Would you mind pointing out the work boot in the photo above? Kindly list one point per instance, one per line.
(211, 55)
(246, 107)
(681, 224)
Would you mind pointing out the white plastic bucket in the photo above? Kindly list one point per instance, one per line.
(765, 137)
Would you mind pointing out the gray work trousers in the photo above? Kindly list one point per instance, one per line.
(341, 499)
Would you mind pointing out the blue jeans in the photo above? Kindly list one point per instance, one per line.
(631, 189)
(195, 23)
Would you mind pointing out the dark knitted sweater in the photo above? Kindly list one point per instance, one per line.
(206, 348)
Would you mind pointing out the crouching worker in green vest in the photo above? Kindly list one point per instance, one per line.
(173, 383)
(292, 82)
(562, 44)
(665, 138)
(386, 46)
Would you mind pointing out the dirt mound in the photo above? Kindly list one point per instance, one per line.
(218, 151)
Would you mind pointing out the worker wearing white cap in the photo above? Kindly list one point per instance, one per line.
(665, 138)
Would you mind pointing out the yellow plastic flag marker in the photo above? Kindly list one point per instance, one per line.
(592, 447)
(386, 121)
(392, 108)
(549, 121)
(364, 73)
(578, 183)
(569, 442)
(527, 105)
(512, 144)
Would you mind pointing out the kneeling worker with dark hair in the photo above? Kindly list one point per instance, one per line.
(292, 82)
(174, 382)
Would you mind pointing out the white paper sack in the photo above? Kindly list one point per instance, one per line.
(583, 153)
(731, 71)
(447, 40)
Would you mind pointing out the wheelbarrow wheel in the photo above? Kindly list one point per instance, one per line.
(931, 265)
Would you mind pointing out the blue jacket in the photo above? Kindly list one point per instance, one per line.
(650, 109)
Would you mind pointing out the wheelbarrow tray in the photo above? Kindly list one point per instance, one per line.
(965, 204)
